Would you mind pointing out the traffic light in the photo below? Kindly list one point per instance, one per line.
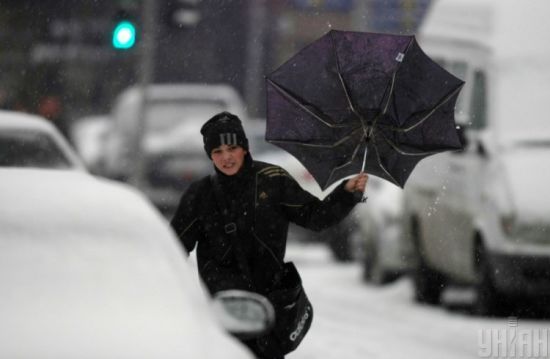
(124, 35)
(125, 25)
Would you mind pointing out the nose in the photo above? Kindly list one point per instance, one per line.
(226, 155)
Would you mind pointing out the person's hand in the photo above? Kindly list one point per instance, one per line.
(357, 183)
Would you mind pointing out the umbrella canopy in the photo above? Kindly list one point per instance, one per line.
(352, 93)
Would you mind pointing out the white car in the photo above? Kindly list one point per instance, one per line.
(89, 136)
(384, 250)
(172, 154)
(89, 269)
(32, 141)
(480, 216)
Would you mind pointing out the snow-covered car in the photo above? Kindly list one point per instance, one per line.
(171, 144)
(32, 141)
(480, 217)
(90, 269)
(384, 250)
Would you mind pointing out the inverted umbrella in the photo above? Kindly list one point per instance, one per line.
(354, 101)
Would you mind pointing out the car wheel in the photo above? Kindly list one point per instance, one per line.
(488, 302)
(368, 259)
(373, 270)
(338, 242)
(428, 283)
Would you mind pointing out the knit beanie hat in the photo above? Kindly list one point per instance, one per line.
(223, 129)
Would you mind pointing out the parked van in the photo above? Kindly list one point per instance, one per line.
(481, 216)
(172, 147)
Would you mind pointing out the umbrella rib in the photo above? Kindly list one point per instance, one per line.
(390, 93)
(300, 143)
(288, 96)
(347, 163)
(382, 166)
(436, 107)
(335, 144)
(375, 121)
(400, 151)
(346, 92)
(394, 75)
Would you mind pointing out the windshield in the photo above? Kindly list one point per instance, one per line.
(23, 148)
(163, 116)
(521, 114)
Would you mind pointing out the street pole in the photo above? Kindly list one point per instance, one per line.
(257, 19)
(145, 71)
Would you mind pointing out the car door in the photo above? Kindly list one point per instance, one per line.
(467, 170)
(474, 165)
(445, 224)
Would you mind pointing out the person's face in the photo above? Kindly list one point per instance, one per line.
(228, 158)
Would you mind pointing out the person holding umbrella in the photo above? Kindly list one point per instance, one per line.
(238, 218)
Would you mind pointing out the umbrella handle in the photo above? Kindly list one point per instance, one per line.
(364, 197)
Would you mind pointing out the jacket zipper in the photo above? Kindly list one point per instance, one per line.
(269, 250)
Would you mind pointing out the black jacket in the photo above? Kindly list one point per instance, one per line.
(263, 198)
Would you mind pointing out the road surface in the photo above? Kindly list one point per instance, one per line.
(353, 320)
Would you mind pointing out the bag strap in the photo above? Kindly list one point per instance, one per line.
(230, 227)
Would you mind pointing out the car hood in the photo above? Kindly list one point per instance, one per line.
(88, 269)
(528, 173)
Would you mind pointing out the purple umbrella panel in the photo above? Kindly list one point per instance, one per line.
(349, 94)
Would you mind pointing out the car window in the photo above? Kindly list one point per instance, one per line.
(478, 112)
(22, 148)
(460, 70)
(166, 115)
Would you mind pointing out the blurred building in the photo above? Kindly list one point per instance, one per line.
(60, 52)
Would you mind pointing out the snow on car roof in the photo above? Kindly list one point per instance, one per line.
(24, 121)
(12, 119)
(71, 202)
(508, 28)
(201, 92)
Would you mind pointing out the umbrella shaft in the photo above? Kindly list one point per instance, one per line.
(364, 197)
(364, 158)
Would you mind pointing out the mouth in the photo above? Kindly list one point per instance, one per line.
(229, 166)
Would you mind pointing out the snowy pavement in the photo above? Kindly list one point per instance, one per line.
(356, 320)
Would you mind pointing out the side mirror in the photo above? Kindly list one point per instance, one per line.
(461, 131)
(244, 314)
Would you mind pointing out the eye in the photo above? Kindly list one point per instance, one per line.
(232, 148)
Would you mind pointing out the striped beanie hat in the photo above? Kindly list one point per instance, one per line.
(223, 128)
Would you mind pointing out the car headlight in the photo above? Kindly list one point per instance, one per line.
(507, 223)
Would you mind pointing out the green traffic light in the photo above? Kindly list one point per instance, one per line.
(124, 35)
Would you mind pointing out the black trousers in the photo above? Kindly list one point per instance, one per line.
(252, 344)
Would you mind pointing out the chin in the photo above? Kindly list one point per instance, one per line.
(228, 171)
